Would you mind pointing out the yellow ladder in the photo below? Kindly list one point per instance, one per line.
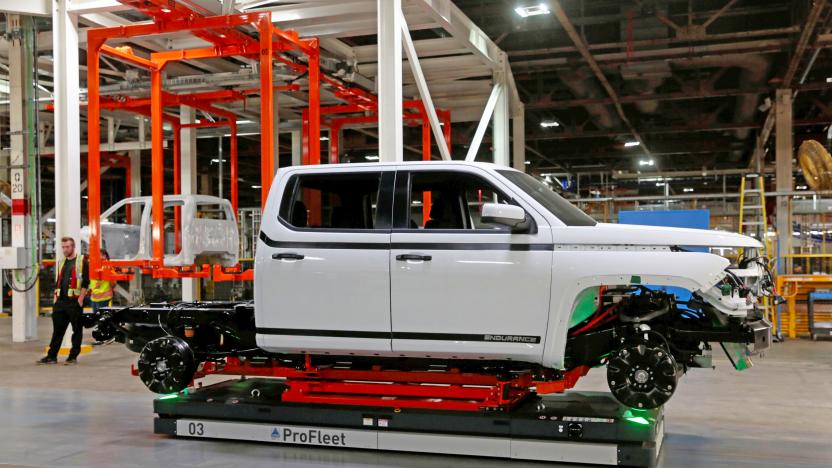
(753, 201)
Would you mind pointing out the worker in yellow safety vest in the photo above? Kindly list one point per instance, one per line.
(71, 283)
(101, 291)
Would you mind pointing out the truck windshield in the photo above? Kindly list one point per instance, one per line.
(570, 214)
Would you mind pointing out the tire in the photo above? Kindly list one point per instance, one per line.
(642, 374)
(167, 364)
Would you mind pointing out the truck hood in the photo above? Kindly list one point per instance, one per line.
(630, 234)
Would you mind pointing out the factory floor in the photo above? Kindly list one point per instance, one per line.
(778, 413)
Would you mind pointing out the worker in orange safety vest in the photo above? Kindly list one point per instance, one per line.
(71, 283)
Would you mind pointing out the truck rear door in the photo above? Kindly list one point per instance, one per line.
(322, 282)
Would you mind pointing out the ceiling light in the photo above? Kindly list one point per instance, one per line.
(630, 144)
(241, 122)
(533, 10)
(324, 138)
(256, 186)
(801, 187)
(659, 184)
(549, 123)
(371, 157)
(687, 189)
(527, 162)
(646, 162)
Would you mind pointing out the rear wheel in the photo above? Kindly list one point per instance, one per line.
(642, 373)
(167, 364)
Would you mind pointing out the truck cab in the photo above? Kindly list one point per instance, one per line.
(456, 260)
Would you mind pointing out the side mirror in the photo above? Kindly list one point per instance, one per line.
(507, 215)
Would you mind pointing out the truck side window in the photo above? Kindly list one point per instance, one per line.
(331, 201)
(450, 200)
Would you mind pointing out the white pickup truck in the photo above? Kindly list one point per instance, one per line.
(471, 263)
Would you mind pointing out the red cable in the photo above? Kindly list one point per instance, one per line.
(596, 321)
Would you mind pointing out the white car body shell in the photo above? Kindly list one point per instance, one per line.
(217, 240)
(362, 301)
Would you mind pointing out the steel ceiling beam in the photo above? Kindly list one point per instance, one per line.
(643, 43)
(676, 96)
(803, 42)
(794, 63)
(719, 127)
(587, 55)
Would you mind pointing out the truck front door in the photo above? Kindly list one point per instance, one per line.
(322, 282)
(461, 287)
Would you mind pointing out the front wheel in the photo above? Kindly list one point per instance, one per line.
(642, 373)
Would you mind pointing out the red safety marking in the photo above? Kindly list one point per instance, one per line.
(20, 207)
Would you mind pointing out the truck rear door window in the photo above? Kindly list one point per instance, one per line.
(332, 201)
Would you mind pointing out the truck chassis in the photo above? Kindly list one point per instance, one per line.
(646, 341)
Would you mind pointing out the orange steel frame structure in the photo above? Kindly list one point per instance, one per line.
(272, 44)
(227, 41)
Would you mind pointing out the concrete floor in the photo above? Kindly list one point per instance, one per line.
(779, 413)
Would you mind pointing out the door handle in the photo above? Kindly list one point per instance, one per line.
(287, 256)
(405, 257)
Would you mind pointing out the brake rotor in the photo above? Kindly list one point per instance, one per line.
(642, 374)
(166, 364)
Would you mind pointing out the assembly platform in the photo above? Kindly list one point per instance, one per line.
(575, 427)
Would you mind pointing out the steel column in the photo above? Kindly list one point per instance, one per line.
(304, 125)
(426, 156)
(188, 185)
(518, 140)
(499, 131)
(264, 27)
(389, 81)
(135, 181)
(22, 132)
(177, 186)
(67, 123)
(334, 144)
(157, 161)
(275, 132)
(297, 148)
(93, 156)
(783, 176)
(234, 171)
(314, 134)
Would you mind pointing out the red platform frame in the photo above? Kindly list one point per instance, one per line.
(442, 390)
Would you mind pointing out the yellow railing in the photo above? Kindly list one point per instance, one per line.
(790, 286)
